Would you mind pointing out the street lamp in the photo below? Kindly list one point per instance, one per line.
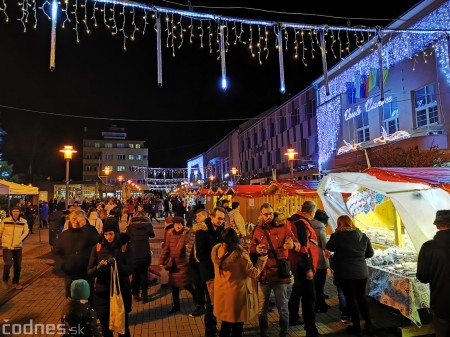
(291, 153)
(211, 178)
(68, 151)
(234, 172)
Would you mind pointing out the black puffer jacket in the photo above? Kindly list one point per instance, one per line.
(352, 248)
(433, 266)
(75, 246)
(140, 230)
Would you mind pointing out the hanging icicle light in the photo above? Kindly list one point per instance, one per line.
(53, 36)
(222, 57)
(323, 50)
(158, 49)
(280, 58)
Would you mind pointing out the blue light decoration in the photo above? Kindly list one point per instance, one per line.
(222, 57)
(431, 31)
(329, 120)
(280, 59)
(53, 36)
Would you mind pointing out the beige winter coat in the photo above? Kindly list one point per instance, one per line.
(235, 286)
(237, 222)
(13, 232)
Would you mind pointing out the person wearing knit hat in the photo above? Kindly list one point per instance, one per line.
(433, 267)
(77, 313)
(111, 225)
(79, 290)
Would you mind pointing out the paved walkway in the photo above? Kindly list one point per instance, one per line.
(43, 298)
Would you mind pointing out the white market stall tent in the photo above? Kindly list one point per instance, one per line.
(10, 188)
(417, 193)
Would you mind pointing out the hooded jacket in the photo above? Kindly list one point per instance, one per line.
(190, 242)
(433, 266)
(13, 232)
(352, 248)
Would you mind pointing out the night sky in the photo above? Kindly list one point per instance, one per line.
(96, 77)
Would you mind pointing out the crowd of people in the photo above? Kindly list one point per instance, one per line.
(230, 270)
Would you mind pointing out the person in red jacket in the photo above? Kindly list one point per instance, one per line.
(282, 239)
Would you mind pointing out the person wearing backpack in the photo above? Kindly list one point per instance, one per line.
(304, 265)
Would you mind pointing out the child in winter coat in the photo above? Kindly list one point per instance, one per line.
(78, 318)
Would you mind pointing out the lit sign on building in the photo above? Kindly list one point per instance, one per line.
(368, 106)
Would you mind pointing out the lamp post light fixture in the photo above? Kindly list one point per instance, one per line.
(291, 153)
(234, 172)
(211, 179)
(68, 152)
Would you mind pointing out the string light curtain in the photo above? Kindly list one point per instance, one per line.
(300, 41)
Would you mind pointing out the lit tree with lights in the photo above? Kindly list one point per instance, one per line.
(5, 168)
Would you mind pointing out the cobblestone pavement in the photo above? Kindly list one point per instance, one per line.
(43, 296)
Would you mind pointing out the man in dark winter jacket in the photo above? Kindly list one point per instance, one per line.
(75, 245)
(433, 266)
(140, 230)
(204, 243)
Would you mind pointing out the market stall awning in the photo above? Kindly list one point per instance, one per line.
(10, 188)
(434, 176)
(416, 202)
(292, 187)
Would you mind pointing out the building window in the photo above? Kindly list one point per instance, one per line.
(269, 158)
(249, 144)
(278, 156)
(260, 165)
(255, 138)
(294, 118)
(282, 123)
(426, 106)
(272, 129)
(97, 145)
(390, 116)
(131, 157)
(138, 157)
(145, 157)
(131, 146)
(304, 147)
(138, 146)
(362, 127)
(88, 168)
(242, 145)
(108, 145)
(108, 168)
(263, 134)
(108, 157)
(120, 157)
(120, 145)
(120, 168)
